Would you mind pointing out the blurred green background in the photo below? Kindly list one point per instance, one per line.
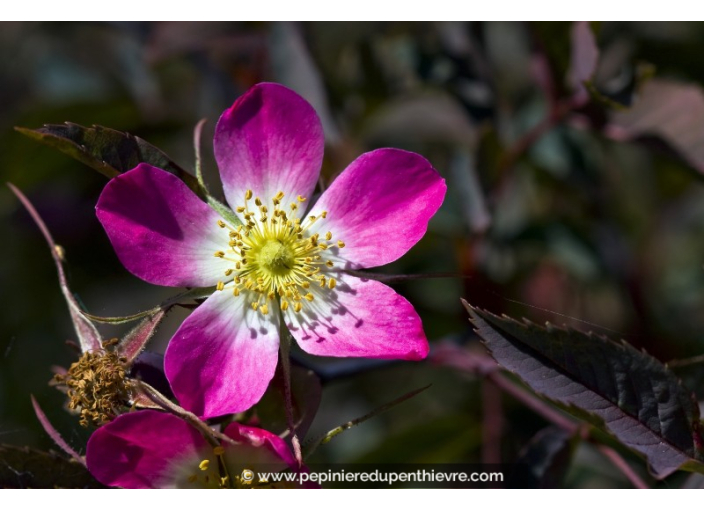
(594, 219)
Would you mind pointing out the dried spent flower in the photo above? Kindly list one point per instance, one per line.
(97, 385)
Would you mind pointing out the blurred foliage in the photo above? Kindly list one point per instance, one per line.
(559, 207)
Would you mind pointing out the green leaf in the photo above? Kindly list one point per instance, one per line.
(24, 468)
(543, 463)
(106, 150)
(625, 391)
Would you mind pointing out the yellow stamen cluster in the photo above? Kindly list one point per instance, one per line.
(97, 385)
(216, 474)
(275, 260)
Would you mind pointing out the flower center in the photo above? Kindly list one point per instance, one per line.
(275, 258)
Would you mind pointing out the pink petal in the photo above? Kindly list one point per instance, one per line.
(380, 206)
(270, 140)
(145, 450)
(162, 232)
(258, 448)
(358, 318)
(223, 356)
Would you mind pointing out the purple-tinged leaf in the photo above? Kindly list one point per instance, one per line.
(54, 434)
(543, 463)
(625, 391)
(584, 57)
(669, 111)
(103, 149)
(88, 335)
(427, 117)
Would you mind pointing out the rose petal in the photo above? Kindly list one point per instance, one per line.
(270, 140)
(258, 448)
(358, 318)
(380, 206)
(161, 231)
(145, 450)
(223, 356)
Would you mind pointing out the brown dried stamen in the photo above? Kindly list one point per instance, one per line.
(97, 385)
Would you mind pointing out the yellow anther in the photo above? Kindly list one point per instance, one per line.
(219, 254)
(263, 209)
(322, 281)
(255, 305)
(271, 294)
(279, 196)
(221, 224)
(204, 465)
(236, 291)
(329, 263)
(332, 283)
(284, 305)
(309, 296)
(218, 450)
(340, 244)
(324, 214)
(260, 280)
(248, 194)
(228, 272)
(220, 286)
(240, 209)
(264, 309)
(300, 198)
(328, 235)
(223, 481)
(305, 285)
(257, 202)
(297, 307)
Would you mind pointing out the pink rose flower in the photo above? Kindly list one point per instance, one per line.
(155, 450)
(286, 263)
